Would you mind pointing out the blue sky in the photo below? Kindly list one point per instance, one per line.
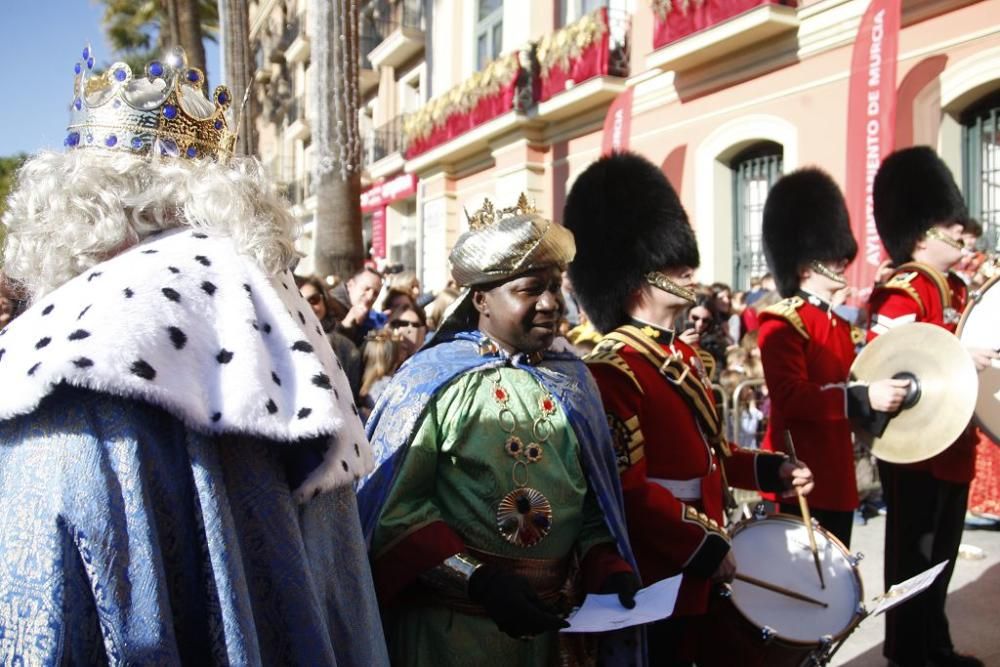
(40, 40)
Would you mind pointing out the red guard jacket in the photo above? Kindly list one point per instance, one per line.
(674, 462)
(919, 293)
(807, 352)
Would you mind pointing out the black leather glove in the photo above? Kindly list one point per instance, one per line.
(625, 585)
(512, 604)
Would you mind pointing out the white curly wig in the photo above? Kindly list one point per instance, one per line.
(71, 211)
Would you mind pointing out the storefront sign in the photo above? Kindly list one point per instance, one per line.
(383, 194)
(871, 128)
(375, 199)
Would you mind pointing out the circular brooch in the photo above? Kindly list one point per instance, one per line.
(524, 517)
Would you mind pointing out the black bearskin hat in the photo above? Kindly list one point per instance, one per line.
(805, 220)
(627, 221)
(913, 191)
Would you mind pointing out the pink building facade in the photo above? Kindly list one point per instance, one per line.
(489, 98)
(725, 110)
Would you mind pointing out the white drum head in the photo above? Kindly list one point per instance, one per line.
(978, 328)
(776, 550)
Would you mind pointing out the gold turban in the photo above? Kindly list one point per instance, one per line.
(503, 243)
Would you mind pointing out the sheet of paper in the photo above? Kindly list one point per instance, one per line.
(905, 590)
(601, 613)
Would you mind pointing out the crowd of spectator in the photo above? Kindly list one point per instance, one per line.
(374, 322)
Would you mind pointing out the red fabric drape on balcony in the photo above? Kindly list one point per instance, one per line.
(701, 15)
(592, 61)
(486, 109)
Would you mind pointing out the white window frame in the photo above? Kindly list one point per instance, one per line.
(485, 26)
(418, 75)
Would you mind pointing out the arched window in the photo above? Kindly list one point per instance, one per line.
(981, 173)
(755, 169)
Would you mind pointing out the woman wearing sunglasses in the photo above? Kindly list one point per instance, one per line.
(410, 323)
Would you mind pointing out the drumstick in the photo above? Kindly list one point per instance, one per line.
(804, 507)
(778, 589)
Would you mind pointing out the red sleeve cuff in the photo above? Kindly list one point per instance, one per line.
(600, 561)
(398, 567)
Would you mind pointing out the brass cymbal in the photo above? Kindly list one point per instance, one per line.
(946, 395)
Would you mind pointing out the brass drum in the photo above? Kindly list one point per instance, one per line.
(980, 327)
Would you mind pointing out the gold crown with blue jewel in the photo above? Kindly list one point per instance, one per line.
(162, 112)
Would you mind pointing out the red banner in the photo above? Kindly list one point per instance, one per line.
(378, 233)
(618, 124)
(871, 120)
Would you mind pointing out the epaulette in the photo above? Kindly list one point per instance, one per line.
(906, 273)
(903, 282)
(788, 310)
(606, 352)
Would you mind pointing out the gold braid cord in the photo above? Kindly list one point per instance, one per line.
(628, 441)
(679, 374)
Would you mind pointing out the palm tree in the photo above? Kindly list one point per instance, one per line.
(142, 29)
(237, 56)
(333, 116)
(8, 170)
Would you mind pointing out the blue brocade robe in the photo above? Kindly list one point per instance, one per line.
(125, 537)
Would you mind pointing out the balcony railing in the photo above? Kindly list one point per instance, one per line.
(598, 44)
(505, 84)
(676, 19)
(405, 14)
(385, 140)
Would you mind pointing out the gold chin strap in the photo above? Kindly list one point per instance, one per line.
(936, 233)
(825, 271)
(660, 281)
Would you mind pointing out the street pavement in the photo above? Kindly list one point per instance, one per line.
(973, 599)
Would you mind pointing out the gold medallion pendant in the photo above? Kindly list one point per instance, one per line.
(524, 516)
